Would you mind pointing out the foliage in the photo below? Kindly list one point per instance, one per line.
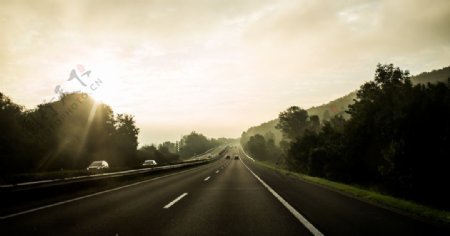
(11, 141)
(262, 129)
(161, 154)
(196, 143)
(263, 148)
(65, 134)
(293, 122)
(70, 133)
(339, 106)
(336, 107)
(433, 77)
(126, 138)
(395, 139)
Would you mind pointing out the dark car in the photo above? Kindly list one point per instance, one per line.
(236, 157)
(227, 157)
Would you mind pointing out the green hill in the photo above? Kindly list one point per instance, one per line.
(339, 106)
(435, 76)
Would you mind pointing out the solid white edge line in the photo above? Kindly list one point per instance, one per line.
(291, 209)
(90, 195)
(175, 201)
(206, 179)
(247, 155)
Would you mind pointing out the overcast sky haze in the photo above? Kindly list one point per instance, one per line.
(217, 67)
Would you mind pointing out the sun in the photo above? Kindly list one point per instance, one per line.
(105, 91)
(104, 84)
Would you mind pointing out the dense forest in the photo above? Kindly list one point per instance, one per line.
(395, 140)
(340, 105)
(190, 145)
(65, 134)
(433, 77)
(75, 130)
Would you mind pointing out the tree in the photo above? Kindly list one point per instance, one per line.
(375, 116)
(326, 115)
(169, 146)
(126, 138)
(256, 146)
(11, 138)
(314, 123)
(193, 144)
(397, 135)
(397, 139)
(337, 122)
(169, 152)
(293, 122)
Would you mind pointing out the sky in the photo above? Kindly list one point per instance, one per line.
(216, 67)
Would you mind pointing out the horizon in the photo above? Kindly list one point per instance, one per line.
(214, 68)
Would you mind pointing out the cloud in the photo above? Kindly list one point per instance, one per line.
(323, 32)
(236, 62)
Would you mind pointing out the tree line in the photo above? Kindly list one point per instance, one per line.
(75, 130)
(170, 152)
(65, 134)
(396, 139)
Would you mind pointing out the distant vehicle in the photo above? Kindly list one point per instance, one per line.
(98, 165)
(149, 163)
(227, 157)
(236, 157)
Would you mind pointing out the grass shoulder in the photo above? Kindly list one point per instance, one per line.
(406, 207)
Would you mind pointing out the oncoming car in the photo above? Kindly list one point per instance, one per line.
(149, 163)
(98, 165)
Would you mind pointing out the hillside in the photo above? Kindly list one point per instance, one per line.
(333, 108)
(263, 129)
(441, 75)
(340, 105)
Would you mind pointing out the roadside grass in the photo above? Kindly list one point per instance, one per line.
(396, 204)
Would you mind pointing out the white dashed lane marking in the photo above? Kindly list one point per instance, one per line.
(175, 201)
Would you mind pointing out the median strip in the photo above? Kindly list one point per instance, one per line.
(104, 175)
(175, 201)
(90, 195)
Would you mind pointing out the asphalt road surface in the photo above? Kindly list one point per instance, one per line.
(226, 197)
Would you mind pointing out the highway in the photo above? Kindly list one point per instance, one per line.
(226, 197)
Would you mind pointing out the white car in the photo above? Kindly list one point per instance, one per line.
(98, 165)
(149, 163)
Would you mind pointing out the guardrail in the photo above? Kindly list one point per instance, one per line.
(106, 175)
(21, 196)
